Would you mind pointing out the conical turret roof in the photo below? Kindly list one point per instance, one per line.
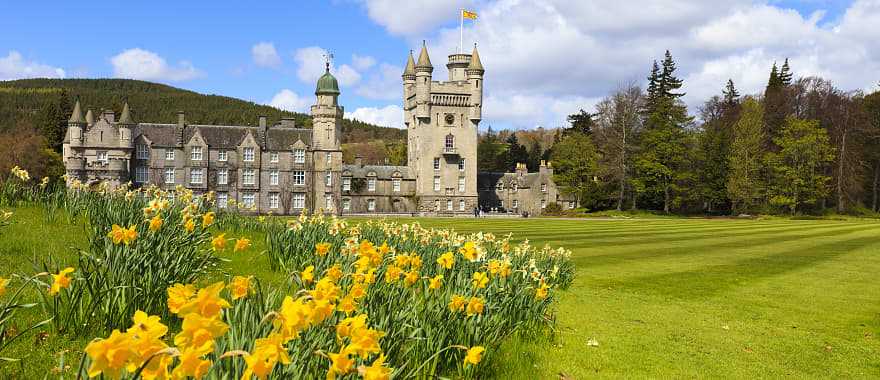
(424, 61)
(410, 66)
(475, 61)
(77, 115)
(126, 115)
(90, 117)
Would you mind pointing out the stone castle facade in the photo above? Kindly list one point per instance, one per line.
(284, 169)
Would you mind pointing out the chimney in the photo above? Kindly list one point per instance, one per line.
(359, 160)
(109, 116)
(521, 169)
(181, 119)
(546, 168)
(288, 122)
(262, 121)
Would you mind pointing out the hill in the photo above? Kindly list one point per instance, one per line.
(38, 102)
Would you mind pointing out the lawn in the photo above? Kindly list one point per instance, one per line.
(656, 298)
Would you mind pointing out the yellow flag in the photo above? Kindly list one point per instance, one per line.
(468, 14)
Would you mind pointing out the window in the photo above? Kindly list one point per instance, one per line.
(543, 203)
(274, 200)
(543, 187)
(460, 184)
(195, 153)
(499, 186)
(222, 200)
(346, 183)
(515, 203)
(501, 204)
(328, 202)
(195, 175)
(461, 205)
(371, 205)
(449, 205)
(515, 187)
(141, 175)
(143, 152)
(273, 157)
(248, 200)
(328, 178)
(346, 204)
(436, 183)
(299, 177)
(395, 185)
(169, 175)
(461, 165)
(329, 158)
(248, 154)
(436, 205)
(169, 155)
(299, 156)
(371, 184)
(273, 178)
(223, 177)
(449, 147)
(570, 204)
(102, 156)
(221, 156)
(436, 163)
(248, 176)
(299, 201)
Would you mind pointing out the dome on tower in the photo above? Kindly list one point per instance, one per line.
(327, 84)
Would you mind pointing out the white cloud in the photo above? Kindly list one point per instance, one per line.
(143, 64)
(14, 66)
(388, 116)
(362, 62)
(311, 63)
(265, 55)
(289, 101)
(528, 111)
(384, 84)
(413, 16)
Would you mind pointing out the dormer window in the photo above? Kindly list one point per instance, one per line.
(299, 156)
(143, 151)
(273, 157)
(248, 155)
(196, 153)
(222, 156)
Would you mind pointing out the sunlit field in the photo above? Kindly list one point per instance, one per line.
(650, 298)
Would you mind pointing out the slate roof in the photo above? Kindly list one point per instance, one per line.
(382, 171)
(224, 136)
(487, 180)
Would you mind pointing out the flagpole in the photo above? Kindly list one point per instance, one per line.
(461, 31)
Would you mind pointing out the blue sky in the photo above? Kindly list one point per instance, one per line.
(544, 58)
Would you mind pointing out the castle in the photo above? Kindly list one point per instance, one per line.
(284, 169)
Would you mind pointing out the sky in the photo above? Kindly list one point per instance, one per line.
(544, 59)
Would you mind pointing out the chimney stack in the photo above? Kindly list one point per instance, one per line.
(359, 160)
(181, 119)
(262, 121)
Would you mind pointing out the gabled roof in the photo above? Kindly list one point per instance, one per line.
(382, 171)
(487, 180)
(224, 136)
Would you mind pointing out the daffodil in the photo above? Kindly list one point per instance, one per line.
(494, 266)
(60, 281)
(189, 225)
(457, 303)
(207, 302)
(242, 244)
(474, 355)
(266, 354)
(293, 317)
(480, 280)
(155, 223)
(475, 306)
(192, 364)
(146, 326)
(208, 219)
(321, 249)
(436, 282)
(179, 295)
(3, 283)
(218, 243)
(240, 287)
(377, 370)
(347, 305)
(446, 260)
(109, 356)
(541, 291)
(392, 273)
(340, 364)
(199, 332)
(334, 272)
(308, 275)
(411, 277)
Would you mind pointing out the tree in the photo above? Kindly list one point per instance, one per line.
(745, 185)
(491, 153)
(776, 103)
(617, 125)
(660, 164)
(871, 104)
(53, 119)
(719, 114)
(516, 153)
(797, 169)
(581, 122)
(574, 161)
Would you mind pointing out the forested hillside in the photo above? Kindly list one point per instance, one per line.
(43, 103)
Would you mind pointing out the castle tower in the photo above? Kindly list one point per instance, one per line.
(75, 126)
(326, 145)
(125, 125)
(442, 120)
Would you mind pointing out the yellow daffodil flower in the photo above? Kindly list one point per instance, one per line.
(377, 370)
(242, 244)
(207, 302)
(457, 303)
(475, 306)
(474, 355)
(155, 223)
(218, 243)
(4, 282)
(208, 219)
(321, 249)
(179, 295)
(436, 282)
(240, 287)
(446, 260)
(60, 281)
(109, 356)
(480, 280)
(308, 275)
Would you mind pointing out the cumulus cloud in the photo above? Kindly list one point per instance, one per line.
(143, 64)
(413, 16)
(362, 62)
(14, 66)
(289, 101)
(383, 84)
(265, 55)
(542, 52)
(388, 116)
(311, 60)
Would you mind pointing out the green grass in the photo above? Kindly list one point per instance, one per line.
(666, 298)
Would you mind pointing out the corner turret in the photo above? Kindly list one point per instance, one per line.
(475, 73)
(423, 83)
(75, 125)
(125, 125)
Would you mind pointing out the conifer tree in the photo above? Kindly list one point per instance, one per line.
(776, 105)
(745, 184)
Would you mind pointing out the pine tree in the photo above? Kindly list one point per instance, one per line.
(785, 74)
(730, 94)
(653, 88)
(516, 153)
(776, 105)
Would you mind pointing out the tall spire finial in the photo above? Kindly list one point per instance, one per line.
(76, 116)
(424, 63)
(327, 58)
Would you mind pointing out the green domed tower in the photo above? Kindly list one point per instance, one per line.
(326, 145)
(327, 84)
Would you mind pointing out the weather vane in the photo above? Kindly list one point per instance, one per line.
(327, 59)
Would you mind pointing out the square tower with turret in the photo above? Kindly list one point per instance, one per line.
(442, 120)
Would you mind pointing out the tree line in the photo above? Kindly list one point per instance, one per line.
(801, 146)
